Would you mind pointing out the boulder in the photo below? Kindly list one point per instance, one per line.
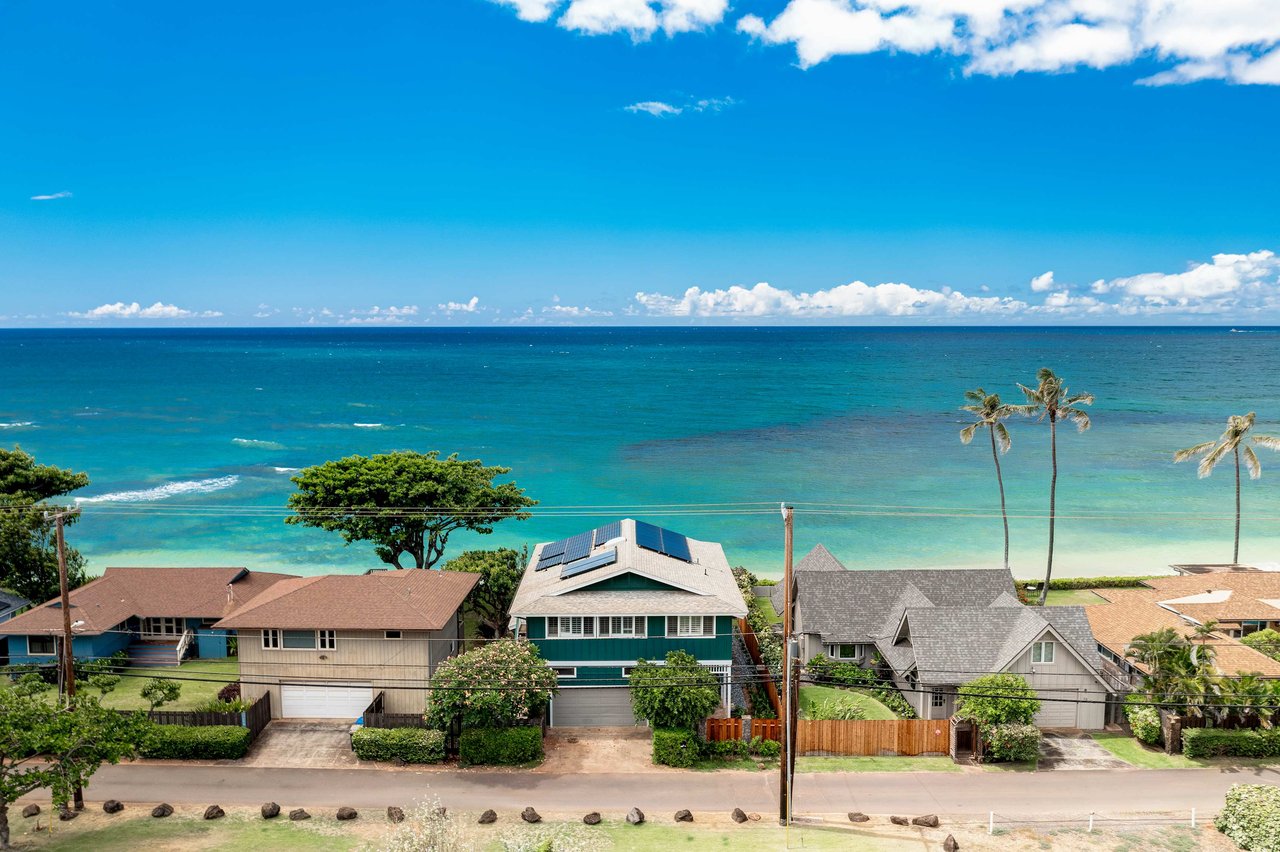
(345, 813)
(298, 815)
(684, 816)
(488, 817)
(163, 809)
(395, 814)
(635, 816)
(592, 818)
(928, 821)
(111, 806)
(754, 817)
(270, 810)
(738, 815)
(530, 815)
(858, 816)
(31, 810)
(66, 814)
(214, 812)
(950, 845)
(897, 820)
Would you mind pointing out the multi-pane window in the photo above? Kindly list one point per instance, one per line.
(691, 625)
(1042, 652)
(299, 640)
(937, 698)
(619, 625)
(328, 640)
(567, 626)
(41, 646)
(159, 626)
(271, 639)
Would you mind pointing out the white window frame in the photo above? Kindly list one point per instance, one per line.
(585, 624)
(50, 653)
(684, 626)
(637, 623)
(322, 640)
(565, 672)
(327, 640)
(627, 670)
(315, 639)
(1038, 655)
(271, 639)
(171, 627)
(937, 698)
(859, 650)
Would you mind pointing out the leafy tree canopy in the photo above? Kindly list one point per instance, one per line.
(160, 691)
(28, 555)
(43, 746)
(679, 694)
(496, 685)
(405, 502)
(998, 699)
(1266, 641)
(500, 572)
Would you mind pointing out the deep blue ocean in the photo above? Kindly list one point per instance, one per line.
(190, 436)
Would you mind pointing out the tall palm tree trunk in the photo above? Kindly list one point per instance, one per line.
(1004, 515)
(1053, 496)
(1235, 553)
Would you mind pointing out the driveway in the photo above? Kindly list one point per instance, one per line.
(303, 744)
(1076, 751)
(572, 750)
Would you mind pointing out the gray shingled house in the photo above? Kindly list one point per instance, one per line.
(936, 629)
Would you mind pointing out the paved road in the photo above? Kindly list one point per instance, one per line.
(1012, 794)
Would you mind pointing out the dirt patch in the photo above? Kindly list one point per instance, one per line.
(592, 750)
(293, 744)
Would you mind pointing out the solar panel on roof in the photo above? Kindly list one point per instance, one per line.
(548, 561)
(676, 545)
(582, 566)
(648, 536)
(577, 547)
(555, 548)
(663, 541)
(608, 532)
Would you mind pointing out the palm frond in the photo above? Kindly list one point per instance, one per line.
(1002, 437)
(1268, 441)
(1209, 462)
(1078, 399)
(977, 395)
(1192, 452)
(1076, 416)
(1252, 464)
(967, 433)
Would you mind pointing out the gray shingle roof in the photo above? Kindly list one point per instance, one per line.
(818, 559)
(9, 602)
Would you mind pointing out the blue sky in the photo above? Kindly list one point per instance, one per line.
(639, 161)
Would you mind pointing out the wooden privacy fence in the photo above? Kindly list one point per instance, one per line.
(867, 738)
(255, 717)
(743, 729)
(375, 717)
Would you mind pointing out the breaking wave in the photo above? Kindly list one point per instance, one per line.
(163, 492)
(254, 442)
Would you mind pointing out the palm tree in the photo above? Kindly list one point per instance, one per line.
(1050, 400)
(1232, 442)
(988, 412)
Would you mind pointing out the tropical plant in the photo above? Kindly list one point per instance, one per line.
(497, 685)
(1051, 400)
(160, 691)
(490, 599)
(679, 694)
(1232, 443)
(989, 413)
(1264, 642)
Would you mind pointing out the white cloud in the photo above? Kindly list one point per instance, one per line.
(133, 310)
(376, 315)
(265, 310)
(642, 18)
(531, 10)
(662, 109)
(468, 307)
(56, 196)
(848, 300)
(575, 311)
(1042, 283)
(1226, 279)
(657, 109)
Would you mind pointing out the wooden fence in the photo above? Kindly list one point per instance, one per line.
(255, 717)
(753, 649)
(735, 729)
(374, 717)
(862, 737)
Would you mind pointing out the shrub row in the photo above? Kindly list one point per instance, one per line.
(1013, 742)
(412, 745)
(1065, 583)
(735, 749)
(1215, 742)
(1251, 816)
(499, 746)
(675, 747)
(212, 742)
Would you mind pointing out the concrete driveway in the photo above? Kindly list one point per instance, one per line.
(303, 744)
(1076, 751)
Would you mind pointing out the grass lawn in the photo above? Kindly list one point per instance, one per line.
(766, 607)
(1072, 597)
(876, 764)
(873, 709)
(207, 677)
(1133, 752)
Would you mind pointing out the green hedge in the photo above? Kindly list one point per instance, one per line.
(1251, 817)
(1013, 743)
(765, 748)
(1064, 583)
(499, 746)
(675, 747)
(412, 745)
(211, 742)
(1144, 721)
(1214, 742)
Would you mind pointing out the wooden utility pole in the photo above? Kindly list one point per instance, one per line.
(68, 656)
(788, 763)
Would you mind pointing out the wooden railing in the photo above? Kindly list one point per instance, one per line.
(863, 737)
(184, 643)
(753, 648)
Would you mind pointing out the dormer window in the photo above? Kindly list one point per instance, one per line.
(1042, 653)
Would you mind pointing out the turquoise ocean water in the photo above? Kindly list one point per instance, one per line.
(190, 436)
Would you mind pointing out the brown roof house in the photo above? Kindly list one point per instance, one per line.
(325, 647)
(158, 615)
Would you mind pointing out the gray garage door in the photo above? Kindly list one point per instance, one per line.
(600, 707)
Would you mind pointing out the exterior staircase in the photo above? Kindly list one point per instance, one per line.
(153, 654)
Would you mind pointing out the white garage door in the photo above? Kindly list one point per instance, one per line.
(329, 701)
(602, 707)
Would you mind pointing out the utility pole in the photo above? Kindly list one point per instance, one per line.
(788, 762)
(68, 657)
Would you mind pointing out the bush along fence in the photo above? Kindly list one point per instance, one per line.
(374, 716)
(745, 728)
(252, 719)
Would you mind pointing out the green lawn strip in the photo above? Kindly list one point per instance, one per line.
(873, 709)
(1137, 754)
(1072, 597)
(763, 836)
(207, 677)
(876, 764)
(765, 606)
(230, 834)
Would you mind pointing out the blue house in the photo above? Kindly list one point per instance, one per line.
(158, 615)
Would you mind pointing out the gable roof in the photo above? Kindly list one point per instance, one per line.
(704, 586)
(408, 599)
(818, 559)
(1221, 597)
(9, 602)
(123, 593)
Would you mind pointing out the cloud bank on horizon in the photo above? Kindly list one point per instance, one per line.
(1232, 40)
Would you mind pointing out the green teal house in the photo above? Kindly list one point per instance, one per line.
(158, 616)
(598, 601)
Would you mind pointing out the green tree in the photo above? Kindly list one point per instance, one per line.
(405, 502)
(28, 555)
(43, 746)
(1051, 400)
(160, 691)
(1231, 443)
(490, 601)
(998, 699)
(989, 413)
(679, 694)
(1264, 642)
(497, 685)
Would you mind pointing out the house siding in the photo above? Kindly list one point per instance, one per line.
(653, 647)
(82, 648)
(1067, 679)
(400, 668)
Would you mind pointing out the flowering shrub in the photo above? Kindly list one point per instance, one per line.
(1144, 721)
(497, 685)
(1012, 742)
(1251, 816)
